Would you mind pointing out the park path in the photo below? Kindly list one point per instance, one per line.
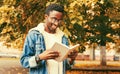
(11, 66)
(9, 52)
(10, 61)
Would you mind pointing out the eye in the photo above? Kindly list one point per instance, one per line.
(54, 19)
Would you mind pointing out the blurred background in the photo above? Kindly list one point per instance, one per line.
(94, 24)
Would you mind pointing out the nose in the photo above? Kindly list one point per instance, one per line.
(56, 24)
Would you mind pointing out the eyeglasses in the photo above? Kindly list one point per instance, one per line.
(56, 20)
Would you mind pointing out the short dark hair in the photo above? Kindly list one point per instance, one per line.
(56, 7)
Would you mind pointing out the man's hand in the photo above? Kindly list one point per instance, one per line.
(49, 54)
(72, 56)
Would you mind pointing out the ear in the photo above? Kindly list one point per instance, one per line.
(46, 16)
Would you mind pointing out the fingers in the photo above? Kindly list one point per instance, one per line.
(52, 57)
(52, 54)
(73, 54)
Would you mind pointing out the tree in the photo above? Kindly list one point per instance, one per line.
(101, 28)
(96, 25)
(18, 16)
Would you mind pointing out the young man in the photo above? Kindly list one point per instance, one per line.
(36, 54)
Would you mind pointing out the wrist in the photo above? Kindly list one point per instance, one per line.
(37, 58)
(71, 61)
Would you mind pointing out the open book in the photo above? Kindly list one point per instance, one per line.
(63, 50)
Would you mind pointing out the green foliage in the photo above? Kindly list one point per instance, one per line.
(97, 21)
(91, 21)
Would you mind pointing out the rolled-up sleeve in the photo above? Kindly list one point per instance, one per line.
(27, 59)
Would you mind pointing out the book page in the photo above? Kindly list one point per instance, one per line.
(63, 50)
(73, 48)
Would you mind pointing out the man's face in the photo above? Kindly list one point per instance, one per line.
(53, 20)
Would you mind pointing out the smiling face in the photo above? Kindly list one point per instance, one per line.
(53, 21)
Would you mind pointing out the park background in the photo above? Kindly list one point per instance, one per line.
(94, 24)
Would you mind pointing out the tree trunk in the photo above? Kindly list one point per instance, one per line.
(92, 52)
(103, 55)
